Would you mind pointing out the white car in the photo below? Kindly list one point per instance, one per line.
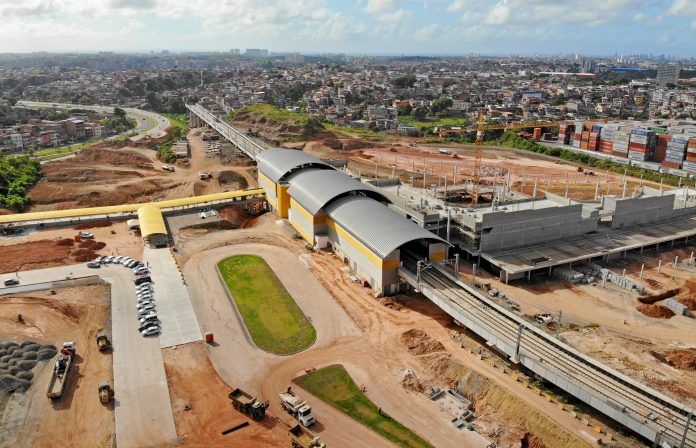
(140, 292)
(125, 261)
(141, 270)
(117, 259)
(86, 235)
(152, 331)
(131, 263)
(148, 318)
(146, 307)
(147, 325)
(108, 259)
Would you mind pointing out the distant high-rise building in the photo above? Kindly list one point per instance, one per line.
(667, 74)
(294, 58)
(234, 51)
(589, 66)
(256, 52)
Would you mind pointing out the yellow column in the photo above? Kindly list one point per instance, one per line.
(283, 200)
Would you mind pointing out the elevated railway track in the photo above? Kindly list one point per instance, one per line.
(653, 415)
(246, 144)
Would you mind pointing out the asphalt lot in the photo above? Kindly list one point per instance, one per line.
(143, 410)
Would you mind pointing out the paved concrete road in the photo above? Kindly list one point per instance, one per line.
(179, 323)
(143, 410)
(235, 357)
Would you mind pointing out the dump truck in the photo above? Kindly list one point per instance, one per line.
(106, 393)
(169, 168)
(303, 438)
(60, 371)
(203, 175)
(296, 407)
(245, 403)
(103, 342)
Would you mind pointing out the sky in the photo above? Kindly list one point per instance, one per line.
(395, 27)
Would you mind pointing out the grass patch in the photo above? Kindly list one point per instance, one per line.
(333, 385)
(423, 125)
(273, 113)
(178, 120)
(275, 322)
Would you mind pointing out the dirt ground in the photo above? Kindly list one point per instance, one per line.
(611, 324)
(201, 408)
(522, 167)
(379, 360)
(78, 418)
(111, 176)
(54, 246)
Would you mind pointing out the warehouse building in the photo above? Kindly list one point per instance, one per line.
(332, 210)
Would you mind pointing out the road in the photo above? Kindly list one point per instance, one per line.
(339, 340)
(142, 408)
(149, 123)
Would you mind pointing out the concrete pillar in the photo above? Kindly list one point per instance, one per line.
(676, 260)
(507, 277)
(659, 266)
(596, 191)
(534, 193)
(642, 267)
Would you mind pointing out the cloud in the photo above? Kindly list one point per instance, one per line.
(499, 14)
(459, 5)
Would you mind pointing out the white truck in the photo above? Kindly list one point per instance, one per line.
(56, 385)
(296, 407)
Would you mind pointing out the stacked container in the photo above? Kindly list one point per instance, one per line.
(593, 144)
(676, 151)
(578, 134)
(621, 139)
(584, 142)
(564, 133)
(606, 138)
(641, 145)
(537, 134)
(661, 147)
(690, 163)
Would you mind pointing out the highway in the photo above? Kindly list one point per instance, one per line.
(646, 411)
(149, 123)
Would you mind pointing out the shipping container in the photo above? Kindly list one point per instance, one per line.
(668, 164)
(689, 166)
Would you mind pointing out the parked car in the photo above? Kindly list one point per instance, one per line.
(117, 259)
(93, 264)
(99, 259)
(131, 263)
(108, 259)
(143, 280)
(150, 308)
(148, 318)
(143, 293)
(152, 331)
(141, 270)
(11, 282)
(86, 235)
(125, 261)
(145, 288)
(147, 325)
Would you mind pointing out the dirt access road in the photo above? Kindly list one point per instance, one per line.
(376, 359)
(78, 418)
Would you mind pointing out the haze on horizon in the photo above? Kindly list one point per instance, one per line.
(593, 27)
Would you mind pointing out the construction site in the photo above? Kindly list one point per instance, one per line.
(466, 295)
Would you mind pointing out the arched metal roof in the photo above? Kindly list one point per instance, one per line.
(376, 225)
(276, 163)
(151, 221)
(316, 188)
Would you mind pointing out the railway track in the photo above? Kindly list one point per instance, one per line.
(593, 380)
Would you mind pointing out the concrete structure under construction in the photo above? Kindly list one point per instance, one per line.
(332, 210)
(518, 239)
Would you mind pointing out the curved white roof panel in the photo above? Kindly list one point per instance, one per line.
(316, 188)
(276, 163)
(376, 225)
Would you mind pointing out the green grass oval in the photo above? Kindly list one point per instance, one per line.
(273, 319)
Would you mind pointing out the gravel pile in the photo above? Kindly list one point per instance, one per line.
(17, 362)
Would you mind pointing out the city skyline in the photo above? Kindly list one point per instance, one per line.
(387, 27)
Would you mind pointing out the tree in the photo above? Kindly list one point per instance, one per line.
(419, 113)
(119, 112)
(404, 81)
(441, 105)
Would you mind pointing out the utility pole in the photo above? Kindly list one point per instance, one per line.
(558, 325)
(449, 217)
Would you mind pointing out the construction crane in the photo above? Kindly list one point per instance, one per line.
(482, 127)
(480, 130)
